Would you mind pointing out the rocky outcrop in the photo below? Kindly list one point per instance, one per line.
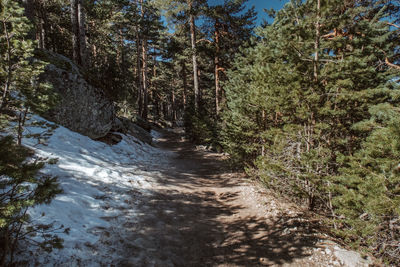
(82, 107)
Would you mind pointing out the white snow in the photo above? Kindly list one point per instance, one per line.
(97, 181)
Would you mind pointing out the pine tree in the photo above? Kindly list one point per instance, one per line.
(15, 48)
(291, 123)
(20, 189)
(307, 105)
(230, 28)
(367, 184)
(20, 186)
(19, 71)
(188, 10)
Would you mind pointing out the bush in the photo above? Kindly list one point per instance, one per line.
(368, 186)
(21, 188)
(200, 128)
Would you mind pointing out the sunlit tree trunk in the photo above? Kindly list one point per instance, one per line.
(194, 57)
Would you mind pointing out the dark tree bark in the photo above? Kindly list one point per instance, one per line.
(184, 94)
(78, 32)
(173, 106)
(29, 9)
(217, 68)
(75, 31)
(139, 73)
(145, 80)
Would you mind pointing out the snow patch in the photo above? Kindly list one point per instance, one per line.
(155, 134)
(97, 182)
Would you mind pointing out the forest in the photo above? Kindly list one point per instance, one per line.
(308, 104)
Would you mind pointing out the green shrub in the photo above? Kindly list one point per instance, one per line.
(200, 128)
(21, 188)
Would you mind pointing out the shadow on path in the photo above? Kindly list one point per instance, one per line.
(197, 216)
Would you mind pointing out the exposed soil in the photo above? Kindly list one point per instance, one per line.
(201, 214)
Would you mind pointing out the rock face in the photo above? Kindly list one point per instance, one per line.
(82, 108)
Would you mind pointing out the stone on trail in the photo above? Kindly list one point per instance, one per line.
(351, 258)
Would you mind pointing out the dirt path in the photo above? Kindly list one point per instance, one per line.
(199, 214)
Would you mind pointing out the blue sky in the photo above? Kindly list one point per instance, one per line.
(259, 5)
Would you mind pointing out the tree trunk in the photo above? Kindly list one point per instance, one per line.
(29, 9)
(184, 94)
(139, 67)
(78, 33)
(145, 80)
(47, 34)
(6, 246)
(194, 57)
(311, 124)
(9, 68)
(42, 25)
(75, 32)
(144, 87)
(139, 62)
(21, 124)
(317, 41)
(121, 53)
(216, 66)
(42, 33)
(53, 39)
(30, 14)
(217, 85)
(173, 105)
(153, 84)
(82, 34)
(139, 74)
(156, 106)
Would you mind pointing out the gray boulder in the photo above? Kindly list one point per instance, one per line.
(142, 123)
(133, 129)
(82, 108)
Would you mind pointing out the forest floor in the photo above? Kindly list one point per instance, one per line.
(198, 213)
